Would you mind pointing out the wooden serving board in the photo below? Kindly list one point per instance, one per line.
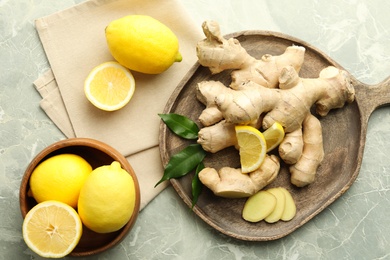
(344, 132)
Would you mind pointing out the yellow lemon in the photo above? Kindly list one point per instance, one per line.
(273, 136)
(59, 178)
(142, 43)
(107, 199)
(252, 147)
(109, 86)
(52, 229)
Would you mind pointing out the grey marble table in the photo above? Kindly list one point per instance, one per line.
(355, 33)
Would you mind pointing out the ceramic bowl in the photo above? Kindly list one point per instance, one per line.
(97, 154)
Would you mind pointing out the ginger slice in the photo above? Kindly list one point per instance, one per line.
(259, 206)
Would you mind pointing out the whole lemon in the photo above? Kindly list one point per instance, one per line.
(60, 178)
(142, 43)
(107, 199)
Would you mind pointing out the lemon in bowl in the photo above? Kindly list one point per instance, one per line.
(59, 178)
(96, 154)
(107, 199)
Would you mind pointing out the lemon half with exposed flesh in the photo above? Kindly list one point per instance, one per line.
(109, 86)
(52, 229)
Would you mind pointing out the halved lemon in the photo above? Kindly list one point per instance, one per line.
(52, 229)
(252, 147)
(273, 136)
(109, 86)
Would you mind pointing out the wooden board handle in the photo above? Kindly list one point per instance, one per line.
(371, 97)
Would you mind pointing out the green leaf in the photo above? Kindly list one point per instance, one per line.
(181, 125)
(183, 162)
(197, 185)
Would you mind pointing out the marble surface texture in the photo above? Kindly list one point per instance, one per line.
(354, 33)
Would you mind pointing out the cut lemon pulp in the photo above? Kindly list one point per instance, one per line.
(52, 229)
(252, 147)
(273, 136)
(109, 86)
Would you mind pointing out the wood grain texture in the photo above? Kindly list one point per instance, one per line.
(344, 132)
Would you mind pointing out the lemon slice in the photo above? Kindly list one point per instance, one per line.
(273, 136)
(52, 229)
(252, 148)
(109, 86)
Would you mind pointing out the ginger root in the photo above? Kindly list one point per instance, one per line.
(220, 136)
(290, 149)
(262, 92)
(304, 170)
(232, 183)
(219, 54)
(217, 137)
(290, 106)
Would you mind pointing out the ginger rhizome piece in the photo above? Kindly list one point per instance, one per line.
(304, 170)
(290, 149)
(264, 91)
(290, 106)
(219, 54)
(232, 183)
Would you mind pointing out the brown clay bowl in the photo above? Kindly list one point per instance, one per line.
(97, 154)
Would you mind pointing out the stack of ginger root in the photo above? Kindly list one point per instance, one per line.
(264, 91)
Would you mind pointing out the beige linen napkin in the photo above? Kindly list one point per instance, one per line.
(74, 42)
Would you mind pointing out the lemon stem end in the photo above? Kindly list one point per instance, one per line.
(116, 165)
(178, 57)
